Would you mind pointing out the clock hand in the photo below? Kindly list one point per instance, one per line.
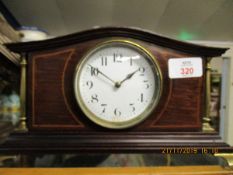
(102, 74)
(128, 76)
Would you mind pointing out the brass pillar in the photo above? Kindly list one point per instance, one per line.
(22, 127)
(206, 127)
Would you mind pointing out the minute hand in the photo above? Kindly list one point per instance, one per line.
(128, 76)
(103, 74)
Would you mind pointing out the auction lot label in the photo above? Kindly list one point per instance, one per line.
(185, 67)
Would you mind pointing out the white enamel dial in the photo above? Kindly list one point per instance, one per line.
(117, 84)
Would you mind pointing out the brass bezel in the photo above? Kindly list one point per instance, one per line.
(137, 119)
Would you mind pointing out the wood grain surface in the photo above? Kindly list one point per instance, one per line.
(51, 103)
(179, 170)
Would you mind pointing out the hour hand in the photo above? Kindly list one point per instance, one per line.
(128, 76)
(98, 71)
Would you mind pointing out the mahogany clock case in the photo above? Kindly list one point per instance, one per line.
(51, 102)
(51, 105)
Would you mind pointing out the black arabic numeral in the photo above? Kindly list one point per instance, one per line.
(141, 97)
(131, 61)
(132, 106)
(89, 84)
(94, 98)
(94, 71)
(117, 112)
(117, 58)
(142, 71)
(104, 61)
(104, 107)
(147, 84)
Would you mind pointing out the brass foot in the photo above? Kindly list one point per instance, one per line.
(227, 156)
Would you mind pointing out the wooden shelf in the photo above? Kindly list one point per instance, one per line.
(191, 170)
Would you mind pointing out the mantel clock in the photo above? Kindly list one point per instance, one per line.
(125, 85)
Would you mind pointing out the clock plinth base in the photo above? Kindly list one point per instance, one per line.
(167, 143)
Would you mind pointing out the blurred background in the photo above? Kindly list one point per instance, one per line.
(210, 20)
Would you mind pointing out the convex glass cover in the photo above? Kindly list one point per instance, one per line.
(117, 84)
